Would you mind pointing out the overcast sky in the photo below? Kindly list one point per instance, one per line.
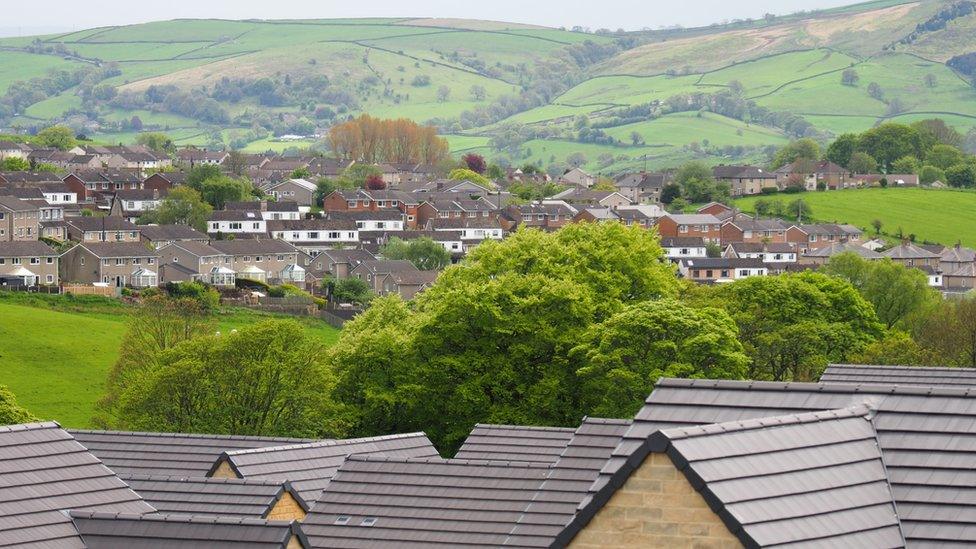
(28, 17)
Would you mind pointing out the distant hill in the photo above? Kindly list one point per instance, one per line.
(655, 98)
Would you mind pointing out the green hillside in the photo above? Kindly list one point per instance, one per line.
(942, 216)
(242, 83)
(57, 367)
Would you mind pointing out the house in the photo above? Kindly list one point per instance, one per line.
(164, 181)
(450, 206)
(28, 263)
(101, 229)
(644, 215)
(960, 278)
(116, 263)
(406, 283)
(642, 188)
(811, 237)
(270, 210)
(890, 180)
(9, 149)
(19, 219)
(578, 178)
(742, 228)
(342, 200)
(377, 220)
(912, 255)
(46, 211)
(815, 174)
(956, 257)
(768, 252)
(300, 191)
(336, 263)
(237, 222)
(451, 240)
(591, 198)
(678, 247)
(134, 203)
(160, 235)
(547, 214)
(744, 180)
(820, 256)
(516, 443)
(719, 210)
(262, 259)
(315, 235)
(195, 157)
(372, 271)
(921, 376)
(705, 226)
(875, 244)
(193, 260)
(472, 230)
(721, 269)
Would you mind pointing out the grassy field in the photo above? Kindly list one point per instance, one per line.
(56, 359)
(942, 216)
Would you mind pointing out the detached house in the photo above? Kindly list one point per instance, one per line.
(683, 247)
(117, 263)
(293, 190)
(407, 283)
(742, 228)
(28, 263)
(134, 203)
(374, 271)
(642, 188)
(721, 269)
(705, 226)
(578, 178)
(912, 255)
(160, 235)
(745, 180)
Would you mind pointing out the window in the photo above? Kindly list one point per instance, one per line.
(235, 226)
(256, 225)
(368, 521)
(682, 228)
(257, 258)
(150, 260)
(131, 205)
(50, 278)
(82, 261)
(342, 520)
(50, 260)
(395, 203)
(120, 261)
(135, 261)
(313, 235)
(247, 258)
(743, 272)
(106, 262)
(281, 258)
(351, 203)
(35, 261)
(381, 203)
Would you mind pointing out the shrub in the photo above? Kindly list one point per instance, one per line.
(769, 190)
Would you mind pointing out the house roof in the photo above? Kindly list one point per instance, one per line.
(836, 248)
(470, 503)
(724, 263)
(89, 224)
(925, 435)
(414, 278)
(118, 249)
(515, 443)
(378, 215)
(310, 466)
(15, 204)
(45, 472)
(456, 223)
(194, 247)
(224, 497)
(926, 376)
(815, 478)
(26, 248)
(251, 246)
(312, 224)
(237, 215)
(694, 219)
(908, 250)
(171, 232)
(958, 254)
(386, 266)
(269, 206)
(760, 247)
(114, 531)
(166, 454)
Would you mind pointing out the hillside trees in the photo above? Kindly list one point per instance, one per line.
(801, 149)
(183, 206)
(895, 291)
(373, 140)
(425, 253)
(58, 137)
(698, 185)
(10, 411)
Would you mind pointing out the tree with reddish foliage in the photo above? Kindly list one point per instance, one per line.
(375, 182)
(475, 163)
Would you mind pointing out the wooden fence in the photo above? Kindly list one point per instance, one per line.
(85, 289)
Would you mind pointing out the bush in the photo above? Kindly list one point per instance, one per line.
(769, 190)
(277, 291)
(253, 285)
(208, 297)
(793, 189)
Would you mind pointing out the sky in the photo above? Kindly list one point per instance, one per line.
(59, 15)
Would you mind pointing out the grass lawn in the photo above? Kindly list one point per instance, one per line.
(55, 356)
(942, 216)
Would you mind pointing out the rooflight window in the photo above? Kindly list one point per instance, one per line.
(368, 521)
(342, 520)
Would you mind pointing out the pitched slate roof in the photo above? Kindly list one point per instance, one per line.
(926, 376)
(310, 466)
(926, 436)
(225, 497)
(166, 453)
(836, 248)
(814, 479)
(515, 443)
(44, 471)
(26, 248)
(171, 232)
(117, 531)
(424, 503)
(910, 251)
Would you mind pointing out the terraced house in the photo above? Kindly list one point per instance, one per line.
(19, 220)
(116, 263)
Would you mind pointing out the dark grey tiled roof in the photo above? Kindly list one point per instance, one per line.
(246, 246)
(166, 453)
(171, 232)
(515, 443)
(588, 451)
(927, 437)
(310, 466)
(26, 248)
(927, 376)
(815, 479)
(424, 503)
(123, 531)
(225, 497)
(43, 471)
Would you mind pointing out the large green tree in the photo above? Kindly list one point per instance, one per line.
(10, 411)
(58, 137)
(425, 253)
(801, 149)
(889, 142)
(895, 291)
(184, 206)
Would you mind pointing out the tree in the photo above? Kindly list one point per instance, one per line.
(425, 253)
(944, 156)
(478, 92)
(357, 174)
(793, 325)
(10, 412)
(840, 151)
(799, 209)
(135, 124)
(14, 164)
(200, 173)
(636, 138)
(626, 354)
(897, 349)
(894, 290)
(849, 77)
(862, 162)
(496, 338)
(160, 323)
(374, 182)
(369, 140)
(889, 142)
(301, 173)
(930, 80)
(156, 142)
(475, 162)
(931, 174)
(961, 175)
(936, 131)
(576, 159)
(353, 290)
(235, 163)
(58, 137)
(220, 190)
(464, 174)
(443, 94)
(264, 379)
(670, 192)
(905, 165)
(181, 206)
(875, 91)
(697, 184)
(805, 148)
(877, 224)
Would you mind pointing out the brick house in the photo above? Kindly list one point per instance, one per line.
(19, 220)
(705, 226)
(117, 263)
(262, 259)
(28, 263)
(101, 229)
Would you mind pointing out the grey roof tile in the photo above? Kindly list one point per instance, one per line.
(43, 472)
(515, 443)
(167, 454)
(123, 531)
(310, 466)
(928, 376)
(211, 496)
